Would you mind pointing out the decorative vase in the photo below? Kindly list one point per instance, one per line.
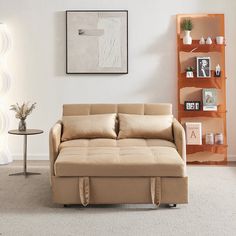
(187, 39)
(202, 41)
(22, 125)
(209, 40)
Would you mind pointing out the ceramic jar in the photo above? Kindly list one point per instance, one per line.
(209, 138)
(219, 138)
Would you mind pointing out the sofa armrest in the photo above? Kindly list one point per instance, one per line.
(54, 142)
(180, 139)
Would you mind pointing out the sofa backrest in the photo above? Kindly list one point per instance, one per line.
(135, 108)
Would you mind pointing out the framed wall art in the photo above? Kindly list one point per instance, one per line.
(203, 67)
(209, 99)
(193, 133)
(97, 42)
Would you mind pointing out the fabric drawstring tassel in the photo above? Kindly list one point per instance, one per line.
(84, 190)
(156, 190)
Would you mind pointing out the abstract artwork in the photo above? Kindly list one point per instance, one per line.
(97, 42)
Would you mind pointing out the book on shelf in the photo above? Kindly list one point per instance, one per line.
(209, 99)
(193, 133)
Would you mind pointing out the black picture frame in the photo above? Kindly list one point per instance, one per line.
(192, 105)
(127, 48)
(203, 67)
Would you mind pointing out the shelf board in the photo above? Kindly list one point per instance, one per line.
(207, 163)
(201, 113)
(207, 146)
(208, 157)
(205, 155)
(196, 47)
(212, 82)
(215, 148)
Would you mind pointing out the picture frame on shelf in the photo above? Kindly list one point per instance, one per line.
(193, 133)
(192, 105)
(203, 67)
(209, 99)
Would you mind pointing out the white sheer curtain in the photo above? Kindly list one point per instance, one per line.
(5, 79)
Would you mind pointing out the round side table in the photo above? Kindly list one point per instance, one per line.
(25, 134)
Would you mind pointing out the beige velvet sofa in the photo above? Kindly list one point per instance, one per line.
(141, 160)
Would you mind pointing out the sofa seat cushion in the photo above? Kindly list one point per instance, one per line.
(119, 161)
(129, 142)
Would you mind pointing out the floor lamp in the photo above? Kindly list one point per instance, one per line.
(5, 79)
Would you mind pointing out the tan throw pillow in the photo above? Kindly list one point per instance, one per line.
(90, 126)
(145, 126)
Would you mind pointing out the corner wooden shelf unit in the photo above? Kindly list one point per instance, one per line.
(190, 89)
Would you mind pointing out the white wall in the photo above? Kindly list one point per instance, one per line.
(37, 60)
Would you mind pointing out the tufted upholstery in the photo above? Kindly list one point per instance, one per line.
(119, 161)
(118, 171)
(128, 142)
(136, 108)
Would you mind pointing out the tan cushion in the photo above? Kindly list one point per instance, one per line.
(91, 126)
(145, 126)
(119, 161)
(100, 142)
(139, 142)
(135, 108)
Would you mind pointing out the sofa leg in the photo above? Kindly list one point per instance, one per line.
(66, 205)
(172, 205)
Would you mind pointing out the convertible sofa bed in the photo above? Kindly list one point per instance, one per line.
(118, 154)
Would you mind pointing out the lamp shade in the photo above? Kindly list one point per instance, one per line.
(5, 40)
(5, 156)
(5, 79)
(4, 121)
(5, 82)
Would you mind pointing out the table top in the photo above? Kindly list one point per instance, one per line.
(27, 132)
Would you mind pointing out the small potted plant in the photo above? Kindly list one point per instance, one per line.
(22, 111)
(187, 26)
(189, 72)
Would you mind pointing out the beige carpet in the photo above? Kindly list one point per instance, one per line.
(26, 209)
